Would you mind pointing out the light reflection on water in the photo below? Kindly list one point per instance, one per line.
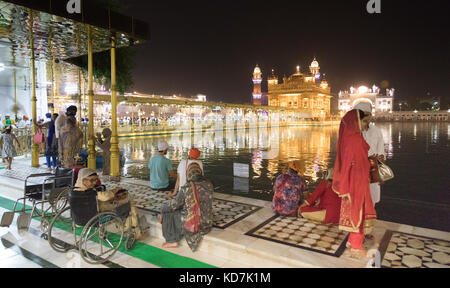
(418, 153)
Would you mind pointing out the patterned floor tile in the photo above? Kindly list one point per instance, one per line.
(302, 233)
(226, 213)
(416, 251)
(21, 172)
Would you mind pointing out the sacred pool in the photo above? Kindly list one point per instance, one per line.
(418, 153)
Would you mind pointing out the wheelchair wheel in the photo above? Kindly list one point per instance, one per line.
(130, 243)
(60, 201)
(60, 225)
(101, 238)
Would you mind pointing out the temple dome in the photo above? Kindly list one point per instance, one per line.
(314, 63)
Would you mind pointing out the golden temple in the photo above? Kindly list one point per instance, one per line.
(308, 92)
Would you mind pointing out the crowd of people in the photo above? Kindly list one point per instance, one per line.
(348, 194)
(62, 144)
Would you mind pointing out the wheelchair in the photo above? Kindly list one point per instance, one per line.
(51, 195)
(97, 231)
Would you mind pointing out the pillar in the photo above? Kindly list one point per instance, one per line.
(15, 94)
(115, 167)
(79, 99)
(132, 118)
(91, 137)
(34, 146)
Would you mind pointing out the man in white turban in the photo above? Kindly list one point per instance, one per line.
(374, 138)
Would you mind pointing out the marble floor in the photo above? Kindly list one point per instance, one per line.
(412, 251)
(225, 212)
(245, 229)
(301, 233)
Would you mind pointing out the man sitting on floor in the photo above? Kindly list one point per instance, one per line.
(160, 169)
(324, 204)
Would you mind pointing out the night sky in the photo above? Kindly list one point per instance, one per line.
(212, 47)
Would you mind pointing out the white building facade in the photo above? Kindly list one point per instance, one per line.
(380, 103)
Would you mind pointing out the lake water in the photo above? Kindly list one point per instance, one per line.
(418, 153)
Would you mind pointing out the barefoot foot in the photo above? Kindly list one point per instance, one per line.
(170, 245)
(358, 253)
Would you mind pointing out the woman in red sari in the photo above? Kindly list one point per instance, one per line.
(352, 183)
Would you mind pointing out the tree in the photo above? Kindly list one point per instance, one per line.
(102, 67)
(102, 60)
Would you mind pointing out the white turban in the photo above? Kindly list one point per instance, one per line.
(163, 146)
(364, 106)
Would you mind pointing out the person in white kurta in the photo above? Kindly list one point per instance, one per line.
(374, 138)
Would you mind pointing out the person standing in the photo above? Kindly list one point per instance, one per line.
(351, 181)
(8, 150)
(72, 142)
(105, 145)
(60, 123)
(374, 138)
(160, 169)
(51, 145)
(289, 188)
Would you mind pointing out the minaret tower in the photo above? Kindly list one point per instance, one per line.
(257, 79)
(314, 68)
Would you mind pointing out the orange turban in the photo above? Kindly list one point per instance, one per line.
(194, 153)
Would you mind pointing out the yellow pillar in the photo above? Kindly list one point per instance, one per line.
(132, 118)
(91, 137)
(15, 92)
(79, 98)
(115, 169)
(34, 146)
(52, 68)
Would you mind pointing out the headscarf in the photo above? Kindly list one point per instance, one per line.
(82, 174)
(364, 106)
(192, 202)
(194, 171)
(351, 174)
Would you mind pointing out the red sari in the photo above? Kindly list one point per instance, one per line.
(351, 179)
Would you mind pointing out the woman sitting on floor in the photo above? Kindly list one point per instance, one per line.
(190, 213)
(324, 204)
(289, 188)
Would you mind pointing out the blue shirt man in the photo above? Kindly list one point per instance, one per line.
(160, 168)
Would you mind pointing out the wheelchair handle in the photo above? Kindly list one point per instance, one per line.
(40, 175)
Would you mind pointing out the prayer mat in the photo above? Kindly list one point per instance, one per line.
(302, 233)
(402, 250)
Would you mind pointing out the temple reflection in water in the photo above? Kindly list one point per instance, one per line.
(314, 146)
